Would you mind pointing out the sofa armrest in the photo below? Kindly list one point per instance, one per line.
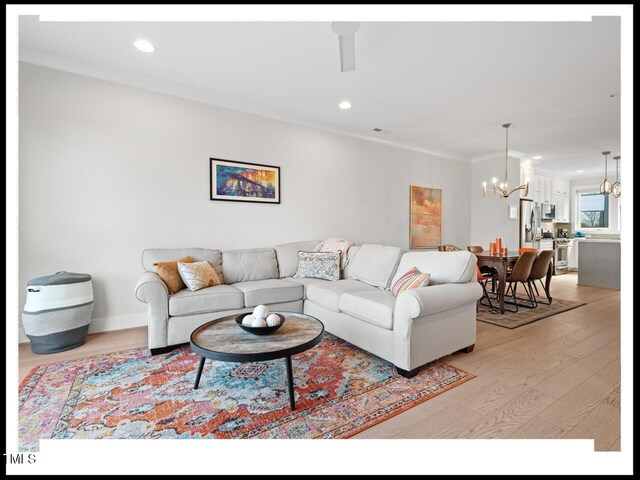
(151, 290)
(423, 301)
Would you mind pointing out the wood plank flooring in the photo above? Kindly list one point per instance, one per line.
(555, 378)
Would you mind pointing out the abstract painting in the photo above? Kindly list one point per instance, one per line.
(244, 182)
(425, 217)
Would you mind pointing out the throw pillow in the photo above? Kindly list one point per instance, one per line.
(198, 275)
(168, 273)
(411, 279)
(322, 265)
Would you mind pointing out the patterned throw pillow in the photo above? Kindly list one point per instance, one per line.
(168, 273)
(322, 265)
(198, 275)
(412, 279)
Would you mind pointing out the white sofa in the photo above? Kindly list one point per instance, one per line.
(417, 327)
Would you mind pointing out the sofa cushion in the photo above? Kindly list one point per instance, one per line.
(287, 256)
(375, 264)
(210, 299)
(375, 308)
(249, 265)
(327, 294)
(351, 254)
(265, 292)
(155, 255)
(444, 267)
(305, 282)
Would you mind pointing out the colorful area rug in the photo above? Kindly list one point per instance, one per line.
(340, 391)
(524, 315)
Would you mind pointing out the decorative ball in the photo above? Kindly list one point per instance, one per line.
(273, 320)
(261, 311)
(259, 322)
(248, 320)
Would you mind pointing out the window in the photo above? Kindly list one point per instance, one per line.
(594, 210)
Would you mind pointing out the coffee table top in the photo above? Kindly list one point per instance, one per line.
(223, 339)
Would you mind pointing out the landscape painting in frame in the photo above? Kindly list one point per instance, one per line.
(244, 182)
(425, 217)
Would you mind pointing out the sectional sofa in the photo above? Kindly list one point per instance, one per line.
(415, 328)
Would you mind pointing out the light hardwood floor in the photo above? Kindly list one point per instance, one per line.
(555, 378)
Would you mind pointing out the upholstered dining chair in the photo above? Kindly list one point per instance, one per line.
(488, 272)
(538, 272)
(520, 274)
(448, 248)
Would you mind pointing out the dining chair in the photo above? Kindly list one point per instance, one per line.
(489, 273)
(520, 274)
(527, 249)
(538, 272)
(482, 280)
(448, 248)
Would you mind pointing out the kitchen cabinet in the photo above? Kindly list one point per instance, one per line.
(543, 186)
(562, 208)
(559, 187)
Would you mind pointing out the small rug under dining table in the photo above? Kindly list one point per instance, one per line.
(524, 315)
(340, 390)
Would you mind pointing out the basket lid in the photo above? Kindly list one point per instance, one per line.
(60, 278)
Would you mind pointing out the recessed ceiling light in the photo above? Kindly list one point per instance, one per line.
(579, 171)
(537, 157)
(144, 46)
(345, 105)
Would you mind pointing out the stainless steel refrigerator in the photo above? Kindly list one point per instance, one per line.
(530, 224)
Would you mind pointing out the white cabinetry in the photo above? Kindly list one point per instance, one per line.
(559, 187)
(562, 208)
(544, 188)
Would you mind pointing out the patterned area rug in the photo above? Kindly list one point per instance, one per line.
(524, 315)
(340, 391)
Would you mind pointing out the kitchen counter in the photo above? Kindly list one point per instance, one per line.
(599, 262)
(598, 240)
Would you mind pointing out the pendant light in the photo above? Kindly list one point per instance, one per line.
(503, 189)
(605, 186)
(615, 188)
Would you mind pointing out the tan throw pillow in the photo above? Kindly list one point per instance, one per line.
(198, 275)
(168, 273)
(218, 270)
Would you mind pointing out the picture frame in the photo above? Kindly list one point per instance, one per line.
(234, 181)
(513, 212)
(425, 217)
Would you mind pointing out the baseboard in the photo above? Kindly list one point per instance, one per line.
(103, 324)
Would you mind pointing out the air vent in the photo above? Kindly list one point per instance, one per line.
(380, 130)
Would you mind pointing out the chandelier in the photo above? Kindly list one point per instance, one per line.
(605, 186)
(503, 189)
(615, 188)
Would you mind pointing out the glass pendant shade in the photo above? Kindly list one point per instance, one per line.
(605, 186)
(615, 188)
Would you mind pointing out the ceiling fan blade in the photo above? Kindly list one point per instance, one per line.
(347, 44)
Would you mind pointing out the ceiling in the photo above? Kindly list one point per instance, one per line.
(439, 87)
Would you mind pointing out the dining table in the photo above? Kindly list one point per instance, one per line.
(501, 262)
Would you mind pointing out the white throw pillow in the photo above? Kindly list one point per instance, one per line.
(375, 264)
(322, 265)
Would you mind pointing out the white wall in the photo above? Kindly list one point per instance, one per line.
(490, 216)
(106, 170)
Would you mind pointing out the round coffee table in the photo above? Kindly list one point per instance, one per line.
(223, 340)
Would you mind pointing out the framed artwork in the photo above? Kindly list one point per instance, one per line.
(425, 217)
(243, 182)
